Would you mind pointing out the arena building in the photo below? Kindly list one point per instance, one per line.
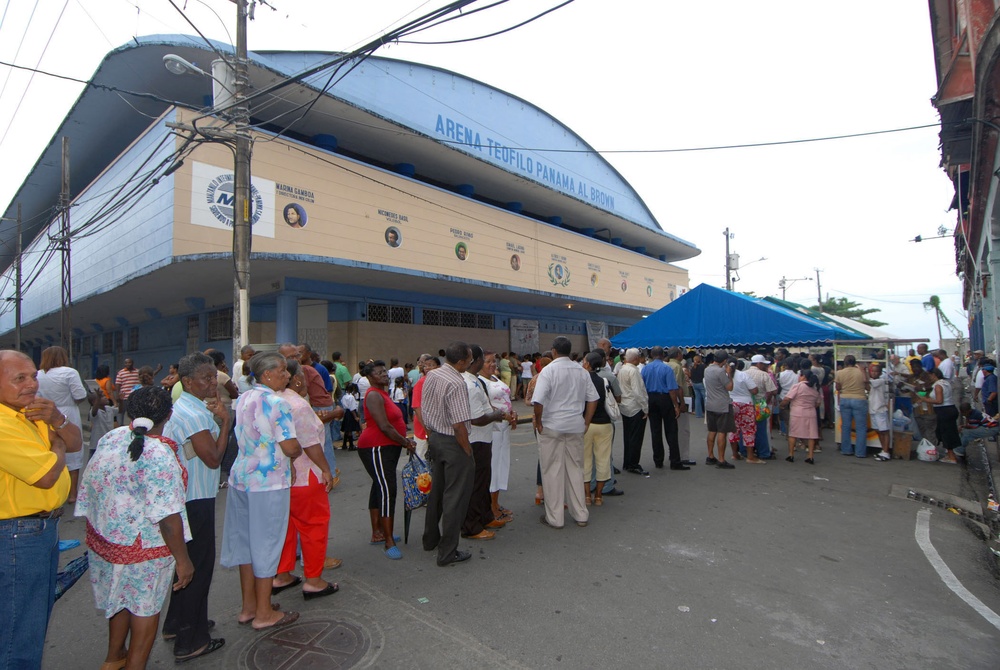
(403, 207)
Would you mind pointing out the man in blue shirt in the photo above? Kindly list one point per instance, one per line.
(926, 358)
(664, 408)
(989, 390)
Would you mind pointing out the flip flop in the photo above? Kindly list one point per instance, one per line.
(275, 607)
(275, 590)
(332, 563)
(395, 538)
(289, 617)
(213, 645)
(393, 553)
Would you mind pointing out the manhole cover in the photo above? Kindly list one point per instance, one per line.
(309, 643)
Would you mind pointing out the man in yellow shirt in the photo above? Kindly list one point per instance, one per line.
(34, 484)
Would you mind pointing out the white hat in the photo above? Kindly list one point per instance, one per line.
(759, 359)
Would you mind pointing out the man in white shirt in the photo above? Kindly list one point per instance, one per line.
(634, 407)
(564, 400)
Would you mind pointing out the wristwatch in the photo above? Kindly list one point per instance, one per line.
(60, 426)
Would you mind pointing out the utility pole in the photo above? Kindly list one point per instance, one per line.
(17, 283)
(729, 281)
(241, 188)
(66, 336)
(819, 293)
(786, 282)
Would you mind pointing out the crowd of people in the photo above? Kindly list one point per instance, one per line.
(269, 431)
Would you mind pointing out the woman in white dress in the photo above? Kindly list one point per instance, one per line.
(62, 385)
(499, 393)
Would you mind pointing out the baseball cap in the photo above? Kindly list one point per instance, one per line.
(759, 359)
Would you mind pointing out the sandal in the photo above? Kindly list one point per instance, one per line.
(539, 500)
(598, 501)
(588, 501)
(275, 607)
(395, 538)
(290, 617)
(275, 590)
(115, 665)
(213, 645)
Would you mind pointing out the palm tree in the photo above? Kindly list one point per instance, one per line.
(935, 304)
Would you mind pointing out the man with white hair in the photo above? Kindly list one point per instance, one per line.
(635, 409)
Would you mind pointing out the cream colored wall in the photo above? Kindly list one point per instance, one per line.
(350, 206)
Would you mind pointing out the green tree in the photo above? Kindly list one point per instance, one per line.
(849, 310)
(935, 304)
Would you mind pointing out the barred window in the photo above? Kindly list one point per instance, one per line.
(193, 323)
(117, 339)
(454, 319)
(133, 339)
(615, 330)
(390, 313)
(220, 324)
(108, 343)
(86, 348)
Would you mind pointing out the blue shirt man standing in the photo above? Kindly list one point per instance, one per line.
(664, 408)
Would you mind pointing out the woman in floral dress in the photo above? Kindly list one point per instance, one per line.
(132, 494)
(257, 506)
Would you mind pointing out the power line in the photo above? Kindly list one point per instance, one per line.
(494, 34)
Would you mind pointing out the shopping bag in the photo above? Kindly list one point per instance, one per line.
(926, 451)
(416, 482)
(761, 409)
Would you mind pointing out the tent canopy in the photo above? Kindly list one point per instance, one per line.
(849, 324)
(707, 317)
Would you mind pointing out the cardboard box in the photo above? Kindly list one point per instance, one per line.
(902, 445)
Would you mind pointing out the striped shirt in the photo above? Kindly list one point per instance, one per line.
(445, 400)
(126, 381)
(192, 416)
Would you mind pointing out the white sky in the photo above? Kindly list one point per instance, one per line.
(636, 74)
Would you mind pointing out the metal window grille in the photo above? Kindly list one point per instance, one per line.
(133, 339)
(390, 313)
(85, 349)
(193, 324)
(453, 319)
(615, 330)
(220, 324)
(116, 340)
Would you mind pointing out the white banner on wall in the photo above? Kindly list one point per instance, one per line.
(523, 336)
(212, 200)
(596, 330)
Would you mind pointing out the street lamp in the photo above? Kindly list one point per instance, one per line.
(229, 92)
(784, 283)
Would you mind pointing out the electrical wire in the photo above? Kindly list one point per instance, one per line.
(494, 34)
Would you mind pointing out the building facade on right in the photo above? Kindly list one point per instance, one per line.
(966, 35)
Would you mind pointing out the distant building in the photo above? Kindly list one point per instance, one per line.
(966, 35)
(402, 208)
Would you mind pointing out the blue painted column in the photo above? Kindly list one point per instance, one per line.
(286, 319)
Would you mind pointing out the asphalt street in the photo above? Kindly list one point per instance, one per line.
(781, 565)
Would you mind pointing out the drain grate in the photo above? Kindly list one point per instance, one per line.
(930, 500)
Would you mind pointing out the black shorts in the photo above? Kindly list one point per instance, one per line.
(721, 422)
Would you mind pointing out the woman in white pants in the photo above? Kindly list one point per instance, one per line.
(499, 394)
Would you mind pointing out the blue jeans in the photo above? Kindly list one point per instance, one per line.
(29, 560)
(699, 400)
(970, 434)
(856, 409)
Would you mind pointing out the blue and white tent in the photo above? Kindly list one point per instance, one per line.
(708, 317)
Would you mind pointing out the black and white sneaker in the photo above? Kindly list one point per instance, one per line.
(883, 456)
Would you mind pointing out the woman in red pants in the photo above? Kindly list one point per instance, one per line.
(309, 506)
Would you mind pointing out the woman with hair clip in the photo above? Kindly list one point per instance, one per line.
(133, 556)
(803, 423)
